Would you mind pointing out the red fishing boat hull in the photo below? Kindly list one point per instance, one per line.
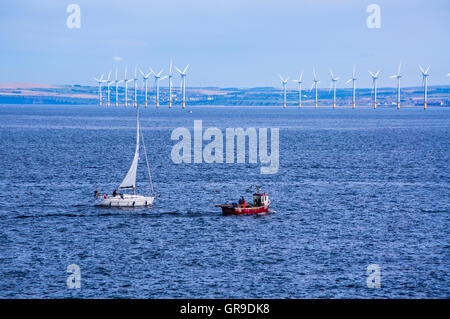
(244, 211)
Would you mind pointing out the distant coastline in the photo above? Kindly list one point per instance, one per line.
(31, 93)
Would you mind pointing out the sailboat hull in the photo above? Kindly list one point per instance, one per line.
(127, 201)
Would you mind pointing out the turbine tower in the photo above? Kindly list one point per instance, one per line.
(145, 78)
(425, 76)
(299, 82)
(108, 84)
(315, 83)
(135, 79)
(333, 85)
(353, 79)
(99, 81)
(116, 82)
(284, 82)
(398, 77)
(170, 84)
(374, 79)
(183, 83)
(157, 78)
(126, 86)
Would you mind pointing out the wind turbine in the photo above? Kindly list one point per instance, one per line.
(353, 79)
(398, 77)
(284, 81)
(333, 85)
(170, 84)
(157, 78)
(135, 79)
(126, 86)
(425, 76)
(145, 78)
(315, 82)
(374, 79)
(99, 81)
(117, 88)
(108, 84)
(183, 83)
(299, 82)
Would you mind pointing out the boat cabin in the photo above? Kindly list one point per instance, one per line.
(260, 199)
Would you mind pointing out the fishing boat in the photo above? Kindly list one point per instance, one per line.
(128, 184)
(260, 205)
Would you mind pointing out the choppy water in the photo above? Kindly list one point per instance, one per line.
(355, 187)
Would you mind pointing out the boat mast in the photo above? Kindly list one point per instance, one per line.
(148, 165)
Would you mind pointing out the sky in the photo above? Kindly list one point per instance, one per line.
(228, 43)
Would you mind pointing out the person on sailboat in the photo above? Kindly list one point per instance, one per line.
(114, 193)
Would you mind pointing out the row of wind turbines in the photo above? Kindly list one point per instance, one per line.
(145, 76)
(374, 76)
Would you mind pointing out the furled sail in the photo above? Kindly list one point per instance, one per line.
(129, 182)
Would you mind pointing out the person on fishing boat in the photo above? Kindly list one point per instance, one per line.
(96, 193)
(243, 201)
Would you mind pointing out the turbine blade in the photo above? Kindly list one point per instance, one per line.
(185, 69)
(421, 69)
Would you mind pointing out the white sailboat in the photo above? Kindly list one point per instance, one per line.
(129, 182)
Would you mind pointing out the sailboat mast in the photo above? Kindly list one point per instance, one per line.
(138, 129)
(148, 165)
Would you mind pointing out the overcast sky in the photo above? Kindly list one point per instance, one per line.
(228, 43)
